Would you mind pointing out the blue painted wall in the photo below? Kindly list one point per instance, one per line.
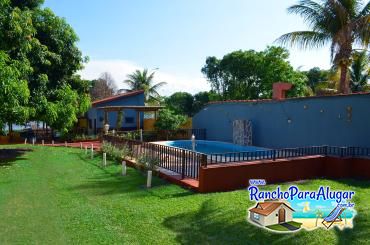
(135, 100)
(332, 120)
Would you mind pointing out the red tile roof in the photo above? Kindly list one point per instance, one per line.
(293, 98)
(118, 96)
(266, 208)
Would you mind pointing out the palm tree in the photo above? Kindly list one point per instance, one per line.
(143, 80)
(340, 23)
(359, 71)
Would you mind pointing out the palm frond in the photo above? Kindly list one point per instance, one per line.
(304, 39)
(310, 11)
(365, 11)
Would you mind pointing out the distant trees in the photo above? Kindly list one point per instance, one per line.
(359, 72)
(39, 50)
(315, 76)
(340, 23)
(186, 104)
(103, 87)
(250, 74)
(144, 80)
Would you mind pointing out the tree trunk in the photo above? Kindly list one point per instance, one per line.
(344, 83)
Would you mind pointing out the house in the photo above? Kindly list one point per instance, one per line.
(96, 116)
(271, 213)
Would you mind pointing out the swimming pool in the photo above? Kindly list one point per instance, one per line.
(210, 147)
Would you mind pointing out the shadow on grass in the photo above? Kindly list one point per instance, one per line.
(9, 156)
(110, 182)
(210, 225)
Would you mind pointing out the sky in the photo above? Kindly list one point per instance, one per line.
(174, 37)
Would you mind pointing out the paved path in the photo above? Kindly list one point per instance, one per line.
(289, 226)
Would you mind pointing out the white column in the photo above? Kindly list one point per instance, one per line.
(104, 159)
(124, 170)
(149, 180)
(92, 151)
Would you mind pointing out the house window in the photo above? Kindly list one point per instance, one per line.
(256, 216)
(129, 120)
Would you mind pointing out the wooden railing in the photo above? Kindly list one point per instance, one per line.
(187, 162)
(286, 153)
(184, 162)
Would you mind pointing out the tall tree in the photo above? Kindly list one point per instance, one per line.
(144, 80)
(46, 45)
(250, 74)
(359, 71)
(103, 87)
(14, 92)
(181, 103)
(340, 23)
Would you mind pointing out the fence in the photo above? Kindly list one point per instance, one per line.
(187, 162)
(288, 153)
(161, 135)
(184, 162)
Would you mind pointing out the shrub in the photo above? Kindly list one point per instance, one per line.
(116, 153)
(148, 162)
(168, 120)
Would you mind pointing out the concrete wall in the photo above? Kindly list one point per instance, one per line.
(227, 177)
(136, 100)
(331, 120)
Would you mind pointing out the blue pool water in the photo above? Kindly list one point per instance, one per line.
(210, 147)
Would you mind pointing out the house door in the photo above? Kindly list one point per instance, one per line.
(281, 215)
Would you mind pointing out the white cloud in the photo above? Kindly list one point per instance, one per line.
(119, 69)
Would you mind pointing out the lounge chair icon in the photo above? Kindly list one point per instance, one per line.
(334, 216)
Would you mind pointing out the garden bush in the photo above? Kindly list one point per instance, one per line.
(113, 152)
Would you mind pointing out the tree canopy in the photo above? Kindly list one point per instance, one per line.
(340, 23)
(250, 74)
(46, 46)
(103, 87)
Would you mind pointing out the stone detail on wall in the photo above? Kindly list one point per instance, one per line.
(242, 132)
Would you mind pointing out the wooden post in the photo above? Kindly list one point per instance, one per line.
(137, 120)
(183, 164)
(81, 145)
(124, 170)
(52, 142)
(92, 151)
(203, 160)
(25, 141)
(65, 143)
(43, 142)
(86, 149)
(149, 179)
(104, 159)
(105, 117)
(33, 141)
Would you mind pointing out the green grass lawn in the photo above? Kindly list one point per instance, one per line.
(60, 196)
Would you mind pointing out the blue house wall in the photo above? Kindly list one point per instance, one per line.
(331, 120)
(98, 115)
